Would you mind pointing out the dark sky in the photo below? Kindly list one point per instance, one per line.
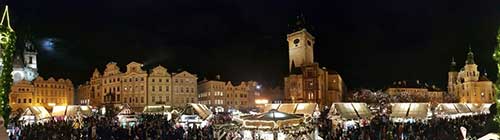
(369, 42)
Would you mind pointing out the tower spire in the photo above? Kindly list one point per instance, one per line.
(470, 56)
(6, 18)
(453, 66)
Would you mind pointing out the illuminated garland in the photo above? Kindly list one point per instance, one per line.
(496, 57)
(7, 42)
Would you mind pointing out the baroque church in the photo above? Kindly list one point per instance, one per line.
(24, 62)
(468, 84)
(307, 82)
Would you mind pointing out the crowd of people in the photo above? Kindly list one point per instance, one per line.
(381, 128)
(151, 127)
(158, 127)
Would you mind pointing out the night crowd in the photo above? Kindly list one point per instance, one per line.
(381, 128)
(151, 127)
(156, 127)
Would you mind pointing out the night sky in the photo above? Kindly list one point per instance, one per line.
(369, 42)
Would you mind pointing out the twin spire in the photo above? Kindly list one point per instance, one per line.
(469, 60)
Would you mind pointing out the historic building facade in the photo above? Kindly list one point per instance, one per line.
(468, 84)
(138, 88)
(307, 81)
(222, 96)
(159, 86)
(184, 87)
(415, 91)
(40, 92)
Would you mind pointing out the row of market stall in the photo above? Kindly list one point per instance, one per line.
(35, 114)
(402, 111)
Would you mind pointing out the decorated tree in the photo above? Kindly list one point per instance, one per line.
(7, 41)
(496, 57)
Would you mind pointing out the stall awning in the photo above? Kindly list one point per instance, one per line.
(292, 108)
(350, 110)
(461, 108)
(38, 111)
(158, 109)
(197, 109)
(71, 110)
(410, 110)
(272, 119)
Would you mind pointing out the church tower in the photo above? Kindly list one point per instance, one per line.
(452, 76)
(300, 45)
(30, 55)
(470, 68)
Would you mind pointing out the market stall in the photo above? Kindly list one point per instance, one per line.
(348, 114)
(306, 109)
(34, 114)
(71, 112)
(454, 110)
(275, 125)
(410, 111)
(194, 114)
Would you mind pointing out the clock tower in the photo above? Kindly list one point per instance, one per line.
(300, 45)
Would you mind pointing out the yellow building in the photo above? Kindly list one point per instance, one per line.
(307, 82)
(84, 98)
(138, 88)
(159, 87)
(415, 92)
(184, 88)
(224, 95)
(468, 84)
(47, 93)
(134, 85)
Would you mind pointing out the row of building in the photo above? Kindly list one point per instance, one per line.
(139, 88)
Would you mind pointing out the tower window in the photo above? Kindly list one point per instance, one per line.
(30, 60)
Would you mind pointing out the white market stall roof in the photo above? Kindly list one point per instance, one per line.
(38, 111)
(71, 110)
(125, 109)
(350, 110)
(272, 119)
(157, 109)
(197, 109)
(292, 108)
(410, 110)
(462, 108)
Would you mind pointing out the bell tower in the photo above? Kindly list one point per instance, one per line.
(30, 55)
(300, 45)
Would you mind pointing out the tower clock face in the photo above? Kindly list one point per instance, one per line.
(296, 42)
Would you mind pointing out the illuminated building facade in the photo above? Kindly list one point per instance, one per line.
(138, 88)
(218, 94)
(415, 91)
(307, 82)
(47, 93)
(184, 87)
(468, 84)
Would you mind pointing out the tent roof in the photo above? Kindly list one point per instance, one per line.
(71, 110)
(38, 111)
(272, 115)
(292, 108)
(350, 110)
(157, 109)
(410, 110)
(197, 109)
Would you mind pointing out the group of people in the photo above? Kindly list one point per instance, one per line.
(150, 127)
(381, 128)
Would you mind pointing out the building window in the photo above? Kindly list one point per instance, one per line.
(159, 89)
(142, 99)
(153, 88)
(153, 99)
(159, 80)
(142, 78)
(153, 80)
(18, 100)
(24, 100)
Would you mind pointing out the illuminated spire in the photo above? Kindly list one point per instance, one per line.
(5, 16)
(453, 66)
(470, 57)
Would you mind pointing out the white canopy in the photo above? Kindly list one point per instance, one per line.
(39, 112)
(410, 110)
(293, 108)
(71, 110)
(350, 110)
